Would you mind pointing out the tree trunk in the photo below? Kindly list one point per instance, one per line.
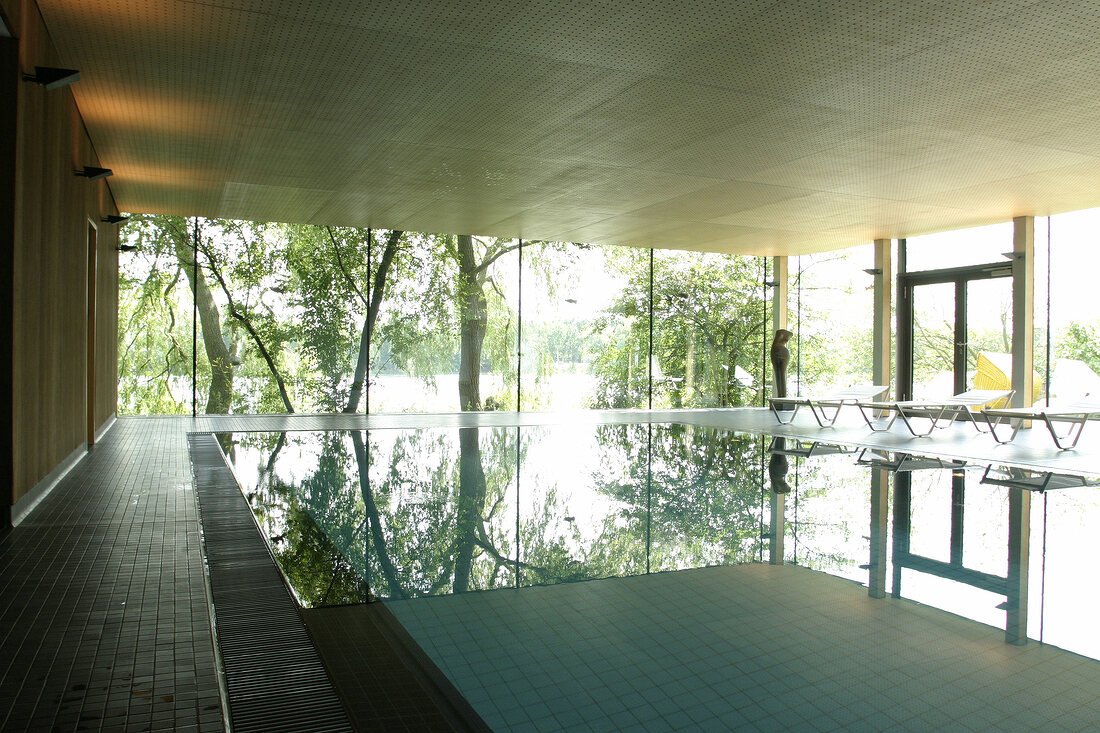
(379, 289)
(471, 503)
(374, 524)
(241, 317)
(473, 319)
(217, 353)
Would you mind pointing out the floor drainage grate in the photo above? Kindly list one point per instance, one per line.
(275, 679)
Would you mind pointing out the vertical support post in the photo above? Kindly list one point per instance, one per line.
(958, 360)
(370, 327)
(1019, 556)
(880, 518)
(1023, 310)
(903, 483)
(649, 357)
(881, 372)
(958, 516)
(195, 321)
(778, 527)
(779, 294)
(519, 330)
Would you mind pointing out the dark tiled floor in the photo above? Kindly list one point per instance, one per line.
(103, 609)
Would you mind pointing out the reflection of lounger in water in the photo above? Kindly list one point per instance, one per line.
(819, 405)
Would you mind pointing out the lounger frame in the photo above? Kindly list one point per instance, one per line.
(934, 411)
(819, 406)
(1076, 415)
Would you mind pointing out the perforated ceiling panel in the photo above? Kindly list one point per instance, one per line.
(762, 127)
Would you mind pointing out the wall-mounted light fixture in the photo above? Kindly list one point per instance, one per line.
(52, 77)
(115, 219)
(94, 174)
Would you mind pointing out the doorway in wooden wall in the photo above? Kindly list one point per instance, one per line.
(91, 331)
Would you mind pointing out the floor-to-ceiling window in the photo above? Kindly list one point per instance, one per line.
(831, 314)
(238, 317)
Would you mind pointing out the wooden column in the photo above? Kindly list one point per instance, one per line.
(779, 293)
(881, 372)
(93, 283)
(1023, 309)
(777, 528)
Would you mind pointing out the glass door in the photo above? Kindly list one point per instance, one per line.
(954, 331)
(934, 338)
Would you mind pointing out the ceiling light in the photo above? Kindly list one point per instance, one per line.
(52, 77)
(94, 174)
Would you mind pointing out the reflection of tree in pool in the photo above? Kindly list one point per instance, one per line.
(314, 526)
(705, 494)
(437, 512)
(430, 520)
(819, 534)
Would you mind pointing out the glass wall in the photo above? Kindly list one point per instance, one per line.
(831, 313)
(155, 333)
(445, 336)
(582, 344)
(959, 247)
(331, 319)
(709, 329)
(1074, 310)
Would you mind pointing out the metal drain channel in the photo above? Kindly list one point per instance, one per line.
(275, 679)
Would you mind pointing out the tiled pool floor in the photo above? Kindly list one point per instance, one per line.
(752, 647)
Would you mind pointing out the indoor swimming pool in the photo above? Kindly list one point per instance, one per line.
(401, 514)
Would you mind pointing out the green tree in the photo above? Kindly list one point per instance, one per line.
(708, 331)
(1080, 341)
(165, 247)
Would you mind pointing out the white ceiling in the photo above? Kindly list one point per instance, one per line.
(726, 125)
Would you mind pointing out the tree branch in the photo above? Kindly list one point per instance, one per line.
(343, 270)
(247, 323)
(490, 259)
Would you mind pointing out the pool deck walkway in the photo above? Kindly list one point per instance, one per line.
(105, 619)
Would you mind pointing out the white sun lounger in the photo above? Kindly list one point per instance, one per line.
(819, 405)
(933, 410)
(1076, 413)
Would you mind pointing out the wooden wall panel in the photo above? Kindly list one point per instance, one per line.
(53, 210)
(9, 74)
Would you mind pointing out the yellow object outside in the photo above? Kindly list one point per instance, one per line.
(993, 372)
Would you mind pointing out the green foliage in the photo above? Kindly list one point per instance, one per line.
(1080, 341)
(290, 303)
(708, 321)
